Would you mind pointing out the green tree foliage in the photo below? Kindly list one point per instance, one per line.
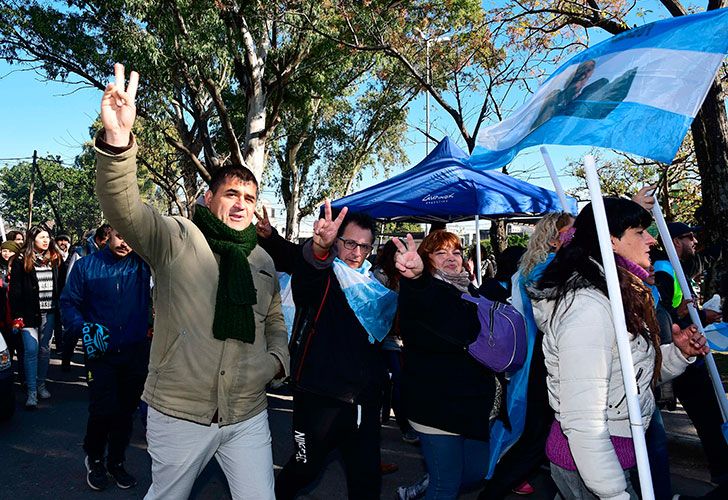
(679, 183)
(444, 47)
(218, 77)
(333, 128)
(69, 187)
(400, 228)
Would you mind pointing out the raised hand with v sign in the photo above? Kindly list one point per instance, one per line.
(118, 110)
(326, 229)
(407, 261)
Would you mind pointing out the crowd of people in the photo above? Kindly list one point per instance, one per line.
(396, 334)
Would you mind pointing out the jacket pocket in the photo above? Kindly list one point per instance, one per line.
(173, 348)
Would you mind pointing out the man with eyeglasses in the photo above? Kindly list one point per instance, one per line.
(336, 372)
(693, 388)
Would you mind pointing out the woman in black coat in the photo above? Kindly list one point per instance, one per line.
(448, 396)
(35, 285)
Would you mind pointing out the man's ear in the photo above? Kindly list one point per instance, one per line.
(208, 197)
(614, 242)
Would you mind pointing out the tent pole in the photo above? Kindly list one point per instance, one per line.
(625, 353)
(478, 271)
(688, 294)
(555, 179)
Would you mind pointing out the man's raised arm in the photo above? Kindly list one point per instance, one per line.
(150, 234)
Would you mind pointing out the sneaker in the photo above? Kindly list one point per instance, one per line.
(414, 491)
(524, 489)
(43, 392)
(32, 402)
(96, 475)
(410, 437)
(123, 479)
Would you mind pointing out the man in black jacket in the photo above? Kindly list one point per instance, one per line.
(336, 372)
(693, 388)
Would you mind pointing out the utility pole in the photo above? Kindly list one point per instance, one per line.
(428, 81)
(44, 186)
(32, 187)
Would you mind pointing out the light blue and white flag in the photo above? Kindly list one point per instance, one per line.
(288, 307)
(717, 335)
(374, 304)
(637, 92)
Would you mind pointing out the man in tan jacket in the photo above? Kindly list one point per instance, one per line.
(219, 334)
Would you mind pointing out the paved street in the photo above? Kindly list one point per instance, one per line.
(41, 455)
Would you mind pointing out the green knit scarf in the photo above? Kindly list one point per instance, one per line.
(236, 294)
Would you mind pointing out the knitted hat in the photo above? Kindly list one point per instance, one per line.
(10, 245)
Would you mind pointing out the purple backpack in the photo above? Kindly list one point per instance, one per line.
(501, 342)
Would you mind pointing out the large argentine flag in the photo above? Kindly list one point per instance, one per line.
(636, 92)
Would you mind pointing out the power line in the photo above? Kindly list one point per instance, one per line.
(54, 160)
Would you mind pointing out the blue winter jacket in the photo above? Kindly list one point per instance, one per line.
(109, 291)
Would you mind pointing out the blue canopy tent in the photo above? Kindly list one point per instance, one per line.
(442, 188)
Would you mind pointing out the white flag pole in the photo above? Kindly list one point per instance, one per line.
(625, 353)
(2, 228)
(688, 294)
(478, 270)
(555, 179)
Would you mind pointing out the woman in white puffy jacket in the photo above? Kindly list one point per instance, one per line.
(590, 444)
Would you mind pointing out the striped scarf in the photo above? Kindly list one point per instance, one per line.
(44, 274)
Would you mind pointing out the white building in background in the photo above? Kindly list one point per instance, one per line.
(466, 230)
(277, 216)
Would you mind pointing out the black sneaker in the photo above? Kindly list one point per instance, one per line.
(123, 479)
(96, 477)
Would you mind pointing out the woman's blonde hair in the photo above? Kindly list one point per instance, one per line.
(539, 244)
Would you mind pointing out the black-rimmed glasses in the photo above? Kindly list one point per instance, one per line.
(351, 245)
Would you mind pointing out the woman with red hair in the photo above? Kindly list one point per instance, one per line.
(448, 397)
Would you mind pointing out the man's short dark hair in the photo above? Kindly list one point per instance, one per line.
(63, 237)
(364, 221)
(240, 172)
(102, 232)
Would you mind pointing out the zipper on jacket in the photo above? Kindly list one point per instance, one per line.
(637, 378)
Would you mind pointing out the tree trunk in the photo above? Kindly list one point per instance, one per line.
(710, 136)
(256, 133)
(498, 236)
(293, 211)
(189, 179)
